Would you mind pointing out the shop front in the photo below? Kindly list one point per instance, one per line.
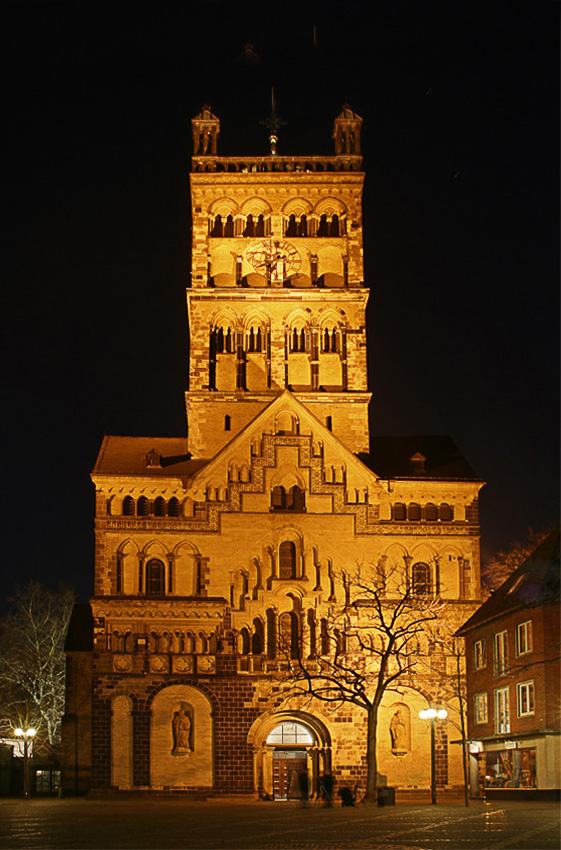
(516, 769)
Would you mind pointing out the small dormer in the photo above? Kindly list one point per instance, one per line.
(153, 459)
(418, 463)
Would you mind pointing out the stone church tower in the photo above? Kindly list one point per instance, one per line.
(213, 552)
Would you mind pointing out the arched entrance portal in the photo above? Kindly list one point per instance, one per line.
(284, 745)
(290, 742)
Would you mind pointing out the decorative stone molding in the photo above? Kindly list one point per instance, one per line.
(182, 664)
(122, 663)
(206, 664)
(159, 664)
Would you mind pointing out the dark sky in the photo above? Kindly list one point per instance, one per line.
(460, 142)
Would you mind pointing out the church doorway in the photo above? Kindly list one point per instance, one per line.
(287, 765)
(290, 748)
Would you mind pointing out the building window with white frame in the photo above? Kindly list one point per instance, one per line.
(500, 659)
(502, 711)
(480, 708)
(525, 698)
(479, 654)
(524, 637)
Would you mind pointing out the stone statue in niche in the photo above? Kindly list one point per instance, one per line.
(182, 726)
(398, 731)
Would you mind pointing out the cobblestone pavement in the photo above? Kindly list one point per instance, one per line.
(151, 824)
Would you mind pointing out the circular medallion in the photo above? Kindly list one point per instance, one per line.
(275, 260)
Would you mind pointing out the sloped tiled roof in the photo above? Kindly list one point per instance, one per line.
(127, 456)
(535, 582)
(390, 457)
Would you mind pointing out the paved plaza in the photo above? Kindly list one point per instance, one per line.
(212, 825)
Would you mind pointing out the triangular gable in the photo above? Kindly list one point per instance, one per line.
(238, 449)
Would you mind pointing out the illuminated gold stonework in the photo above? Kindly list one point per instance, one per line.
(208, 546)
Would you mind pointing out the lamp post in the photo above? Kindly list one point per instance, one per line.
(27, 735)
(432, 714)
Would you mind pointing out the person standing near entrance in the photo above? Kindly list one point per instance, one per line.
(304, 784)
(327, 789)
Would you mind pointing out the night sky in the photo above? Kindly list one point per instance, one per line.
(460, 143)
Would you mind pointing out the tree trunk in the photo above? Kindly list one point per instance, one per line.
(371, 795)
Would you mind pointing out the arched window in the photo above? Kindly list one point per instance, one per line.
(431, 512)
(155, 578)
(446, 512)
(323, 226)
(159, 507)
(420, 580)
(291, 228)
(290, 734)
(287, 560)
(414, 512)
(229, 226)
(245, 641)
(334, 225)
(128, 506)
(329, 341)
(143, 506)
(219, 337)
(227, 422)
(216, 229)
(278, 499)
(399, 512)
(249, 229)
(295, 500)
(260, 225)
(223, 340)
(254, 339)
(329, 423)
(298, 340)
(289, 634)
(258, 637)
(173, 507)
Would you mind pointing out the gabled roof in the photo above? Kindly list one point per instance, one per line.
(309, 424)
(128, 456)
(391, 457)
(535, 582)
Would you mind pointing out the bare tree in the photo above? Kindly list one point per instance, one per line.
(32, 662)
(501, 565)
(370, 643)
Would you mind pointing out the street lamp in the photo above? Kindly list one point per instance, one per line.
(27, 735)
(433, 714)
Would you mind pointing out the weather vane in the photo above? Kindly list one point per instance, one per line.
(273, 123)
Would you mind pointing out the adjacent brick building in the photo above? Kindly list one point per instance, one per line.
(513, 649)
(210, 549)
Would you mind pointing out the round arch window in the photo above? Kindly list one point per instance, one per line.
(289, 734)
(155, 578)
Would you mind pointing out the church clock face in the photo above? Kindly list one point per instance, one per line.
(274, 260)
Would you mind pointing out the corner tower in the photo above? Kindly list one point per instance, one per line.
(277, 298)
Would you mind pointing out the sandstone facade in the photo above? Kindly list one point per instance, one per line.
(212, 548)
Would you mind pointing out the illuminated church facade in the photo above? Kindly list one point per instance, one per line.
(216, 550)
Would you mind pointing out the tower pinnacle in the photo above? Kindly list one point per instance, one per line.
(273, 123)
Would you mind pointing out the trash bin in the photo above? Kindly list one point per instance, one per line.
(386, 796)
